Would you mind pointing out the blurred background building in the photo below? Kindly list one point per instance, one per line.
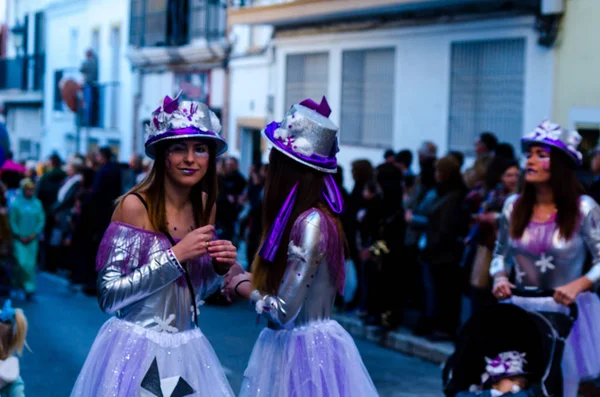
(395, 72)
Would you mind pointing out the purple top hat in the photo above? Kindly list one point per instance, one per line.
(504, 365)
(553, 135)
(307, 135)
(183, 120)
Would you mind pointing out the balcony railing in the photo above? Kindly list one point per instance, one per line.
(159, 23)
(100, 106)
(22, 73)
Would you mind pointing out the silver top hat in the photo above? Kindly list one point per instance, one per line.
(183, 120)
(307, 135)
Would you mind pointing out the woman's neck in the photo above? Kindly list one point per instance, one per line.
(543, 195)
(176, 196)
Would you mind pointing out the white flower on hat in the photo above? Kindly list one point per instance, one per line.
(281, 133)
(303, 146)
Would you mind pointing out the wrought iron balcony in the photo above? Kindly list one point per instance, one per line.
(22, 73)
(160, 23)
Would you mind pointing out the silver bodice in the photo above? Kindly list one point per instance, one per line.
(308, 290)
(541, 257)
(142, 282)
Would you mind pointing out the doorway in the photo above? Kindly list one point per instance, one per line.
(251, 152)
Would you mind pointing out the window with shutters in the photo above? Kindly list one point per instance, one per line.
(486, 91)
(367, 117)
(307, 76)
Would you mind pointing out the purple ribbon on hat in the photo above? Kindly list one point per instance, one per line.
(322, 108)
(333, 198)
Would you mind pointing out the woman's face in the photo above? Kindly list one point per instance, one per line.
(28, 192)
(510, 179)
(70, 170)
(186, 162)
(537, 168)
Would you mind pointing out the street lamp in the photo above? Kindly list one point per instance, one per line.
(18, 33)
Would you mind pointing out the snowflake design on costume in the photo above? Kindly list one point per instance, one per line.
(285, 134)
(519, 274)
(545, 263)
(165, 325)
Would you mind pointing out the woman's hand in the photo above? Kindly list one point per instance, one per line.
(223, 252)
(408, 216)
(239, 286)
(566, 294)
(501, 288)
(194, 244)
(487, 217)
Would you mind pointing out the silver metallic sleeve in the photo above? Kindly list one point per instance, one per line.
(116, 290)
(590, 229)
(302, 264)
(501, 251)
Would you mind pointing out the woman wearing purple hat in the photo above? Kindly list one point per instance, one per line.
(157, 261)
(544, 236)
(300, 268)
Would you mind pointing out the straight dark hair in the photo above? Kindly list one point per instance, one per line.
(153, 188)
(283, 173)
(566, 191)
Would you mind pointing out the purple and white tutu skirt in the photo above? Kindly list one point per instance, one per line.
(319, 359)
(123, 353)
(581, 357)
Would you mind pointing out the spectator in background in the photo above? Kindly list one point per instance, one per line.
(26, 216)
(146, 165)
(445, 229)
(485, 145)
(89, 69)
(82, 232)
(135, 168)
(254, 193)
(106, 188)
(389, 156)
(458, 156)
(594, 189)
(232, 186)
(61, 212)
(362, 173)
(505, 150)
(404, 160)
(47, 192)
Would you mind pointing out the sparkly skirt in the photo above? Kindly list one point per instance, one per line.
(319, 359)
(581, 357)
(121, 363)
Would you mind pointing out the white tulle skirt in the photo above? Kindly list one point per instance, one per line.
(319, 359)
(123, 353)
(581, 357)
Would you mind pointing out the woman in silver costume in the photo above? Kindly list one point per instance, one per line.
(156, 262)
(543, 239)
(300, 268)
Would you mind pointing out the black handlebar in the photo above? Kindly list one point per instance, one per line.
(544, 293)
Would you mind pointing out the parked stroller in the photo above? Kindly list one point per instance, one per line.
(506, 327)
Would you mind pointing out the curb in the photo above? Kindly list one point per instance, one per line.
(400, 340)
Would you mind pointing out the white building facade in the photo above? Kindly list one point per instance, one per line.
(73, 27)
(22, 76)
(176, 46)
(392, 78)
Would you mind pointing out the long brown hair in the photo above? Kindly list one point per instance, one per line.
(153, 188)
(282, 174)
(566, 191)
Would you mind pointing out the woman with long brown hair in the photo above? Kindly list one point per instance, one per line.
(158, 259)
(300, 268)
(544, 236)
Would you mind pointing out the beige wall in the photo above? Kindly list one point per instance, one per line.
(577, 77)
